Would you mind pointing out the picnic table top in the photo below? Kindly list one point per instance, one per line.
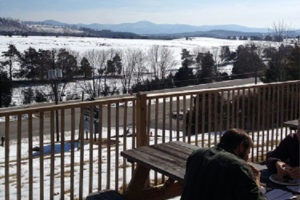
(168, 158)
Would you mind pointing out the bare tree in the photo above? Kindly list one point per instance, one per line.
(161, 59)
(140, 65)
(97, 59)
(129, 67)
(280, 30)
(153, 59)
(166, 61)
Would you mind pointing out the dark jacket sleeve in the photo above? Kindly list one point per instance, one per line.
(246, 187)
(280, 153)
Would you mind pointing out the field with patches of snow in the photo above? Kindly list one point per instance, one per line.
(258, 139)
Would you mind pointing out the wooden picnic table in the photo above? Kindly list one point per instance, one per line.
(168, 159)
(292, 124)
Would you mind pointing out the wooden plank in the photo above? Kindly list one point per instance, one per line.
(41, 136)
(237, 110)
(243, 109)
(81, 162)
(177, 119)
(281, 112)
(228, 110)
(7, 133)
(155, 132)
(19, 157)
(72, 153)
(100, 149)
(203, 119)
(62, 156)
(164, 121)
(156, 121)
(124, 145)
(263, 145)
(258, 122)
(91, 151)
(215, 117)
(108, 146)
(52, 158)
(191, 119)
(30, 163)
(209, 119)
(167, 166)
(149, 133)
(179, 151)
(133, 137)
(287, 106)
(184, 125)
(277, 115)
(232, 109)
(272, 118)
(221, 115)
(268, 118)
(170, 119)
(292, 102)
(253, 119)
(117, 147)
(197, 119)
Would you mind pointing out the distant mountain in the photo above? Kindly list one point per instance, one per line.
(148, 28)
(55, 28)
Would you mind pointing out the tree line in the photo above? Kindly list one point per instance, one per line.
(139, 70)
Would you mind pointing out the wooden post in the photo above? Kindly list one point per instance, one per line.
(141, 174)
(141, 113)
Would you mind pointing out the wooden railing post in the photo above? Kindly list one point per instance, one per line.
(141, 113)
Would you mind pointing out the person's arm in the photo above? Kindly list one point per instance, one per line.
(247, 187)
(275, 158)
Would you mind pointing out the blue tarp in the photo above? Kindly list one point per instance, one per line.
(57, 148)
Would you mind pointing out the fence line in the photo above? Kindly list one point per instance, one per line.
(92, 135)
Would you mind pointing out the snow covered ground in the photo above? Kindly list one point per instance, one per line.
(81, 45)
(36, 164)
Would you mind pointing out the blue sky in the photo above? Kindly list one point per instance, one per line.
(254, 13)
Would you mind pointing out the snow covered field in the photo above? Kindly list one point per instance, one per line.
(81, 45)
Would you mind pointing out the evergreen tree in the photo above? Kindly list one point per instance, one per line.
(225, 54)
(28, 95)
(293, 65)
(12, 55)
(40, 96)
(248, 63)
(86, 68)
(207, 73)
(184, 77)
(118, 63)
(5, 90)
(186, 58)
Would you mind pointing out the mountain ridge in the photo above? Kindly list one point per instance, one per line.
(148, 28)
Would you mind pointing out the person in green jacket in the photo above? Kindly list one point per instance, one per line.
(222, 172)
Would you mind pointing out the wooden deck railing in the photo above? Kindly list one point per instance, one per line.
(83, 162)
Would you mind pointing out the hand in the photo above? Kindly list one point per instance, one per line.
(281, 169)
(293, 172)
(256, 174)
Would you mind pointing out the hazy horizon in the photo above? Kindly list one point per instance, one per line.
(250, 13)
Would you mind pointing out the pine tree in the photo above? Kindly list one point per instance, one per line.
(12, 55)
